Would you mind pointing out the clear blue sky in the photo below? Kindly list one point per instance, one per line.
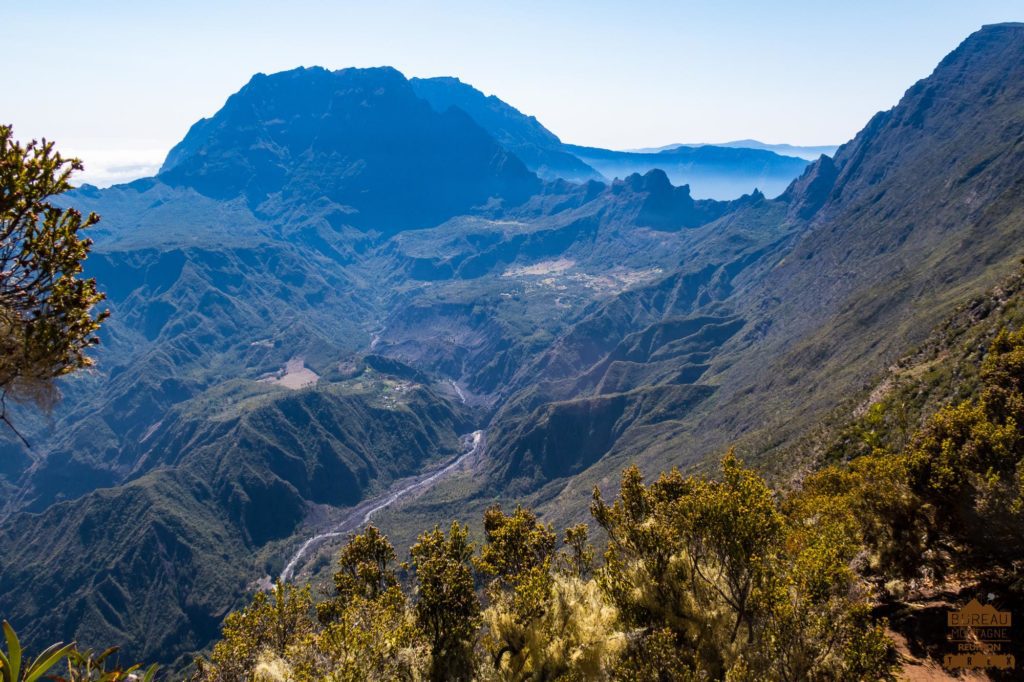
(120, 82)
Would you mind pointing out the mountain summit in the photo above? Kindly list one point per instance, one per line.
(359, 138)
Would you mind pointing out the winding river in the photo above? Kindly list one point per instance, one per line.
(360, 515)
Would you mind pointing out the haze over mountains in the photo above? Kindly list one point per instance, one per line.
(724, 171)
(716, 172)
(417, 260)
(811, 153)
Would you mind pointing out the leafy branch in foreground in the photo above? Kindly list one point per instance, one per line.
(88, 666)
(82, 666)
(46, 318)
(11, 662)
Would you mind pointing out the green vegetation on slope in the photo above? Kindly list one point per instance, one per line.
(721, 578)
(701, 578)
(156, 563)
(874, 248)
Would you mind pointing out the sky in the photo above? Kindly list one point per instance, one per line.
(119, 83)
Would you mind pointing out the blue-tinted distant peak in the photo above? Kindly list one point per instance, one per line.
(359, 139)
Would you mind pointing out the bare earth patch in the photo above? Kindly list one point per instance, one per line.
(917, 669)
(295, 375)
(612, 282)
(545, 267)
(554, 274)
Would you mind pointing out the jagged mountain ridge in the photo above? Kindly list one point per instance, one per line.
(714, 172)
(718, 172)
(524, 136)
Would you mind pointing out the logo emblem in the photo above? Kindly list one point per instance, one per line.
(980, 633)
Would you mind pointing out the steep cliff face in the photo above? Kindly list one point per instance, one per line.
(872, 249)
(523, 135)
(941, 167)
(922, 208)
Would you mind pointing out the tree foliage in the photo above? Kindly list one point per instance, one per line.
(714, 581)
(542, 623)
(259, 634)
(952, 497)
(46, 308)
(447, 607)
(365, 566)
(701, 579)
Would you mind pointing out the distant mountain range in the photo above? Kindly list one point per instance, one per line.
(341, 274)
(712, 171)
(269, 129)
(811, 153)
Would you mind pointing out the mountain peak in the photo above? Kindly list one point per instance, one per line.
(655, 181)
(1003, 25)
(955, 104)
(983, 53)
(361, 139)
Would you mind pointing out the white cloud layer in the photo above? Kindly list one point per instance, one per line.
(106, 167)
